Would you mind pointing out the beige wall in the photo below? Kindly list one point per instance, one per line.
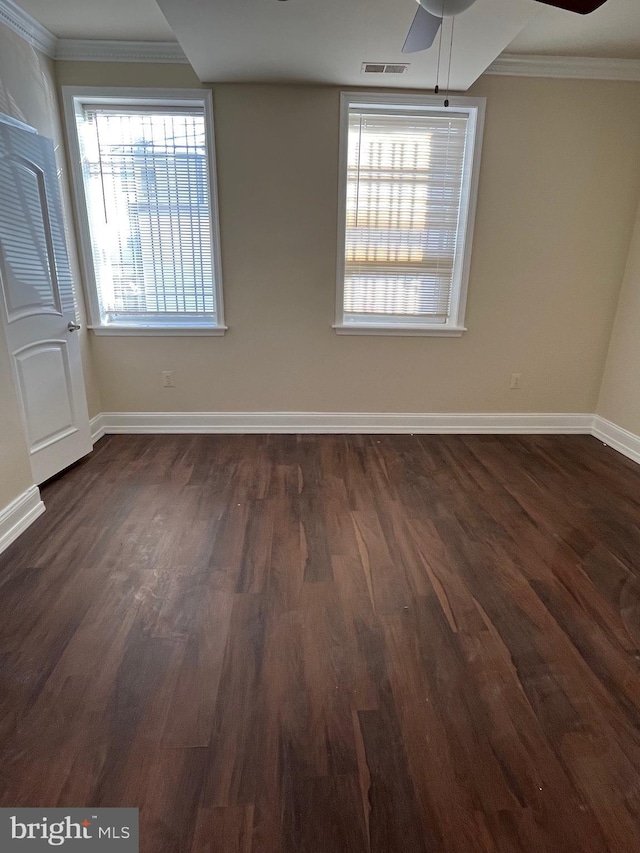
(620, 393)
(28, 93)
(559, 187)
(15, 472)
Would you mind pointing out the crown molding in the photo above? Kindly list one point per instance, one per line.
(12, 16)
(98, 50)
(568, 67)
(511, 65)
(106, 50)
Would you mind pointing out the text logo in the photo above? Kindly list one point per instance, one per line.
(82, 830)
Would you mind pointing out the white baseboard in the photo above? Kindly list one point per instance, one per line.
(339, 422)
(367, 423)
(18, 515)
(625, 442)
(96, 425)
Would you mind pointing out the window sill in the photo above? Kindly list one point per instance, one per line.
(406, 331)
(159, 331)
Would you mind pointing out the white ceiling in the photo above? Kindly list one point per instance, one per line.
(327, 40)
(101, 19)
(613, 30)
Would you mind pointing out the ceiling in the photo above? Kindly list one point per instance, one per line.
(136, 20)
(328, 40)
(612, 31)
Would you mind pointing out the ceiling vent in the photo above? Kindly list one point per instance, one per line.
(384, 67)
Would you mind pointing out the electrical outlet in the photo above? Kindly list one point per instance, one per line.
(167, 379)
(516, 381)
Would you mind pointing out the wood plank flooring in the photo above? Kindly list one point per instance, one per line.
(332, 643)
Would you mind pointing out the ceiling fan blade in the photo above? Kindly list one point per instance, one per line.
(422, 32)
(582, 7)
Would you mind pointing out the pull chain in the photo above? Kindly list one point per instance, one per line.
(453, 24)
(437, 89)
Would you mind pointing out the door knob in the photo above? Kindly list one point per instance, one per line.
(73, 327)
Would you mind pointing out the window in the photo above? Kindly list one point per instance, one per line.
(144, 175)
(409, 169)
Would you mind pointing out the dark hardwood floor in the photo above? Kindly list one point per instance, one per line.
(332, 643)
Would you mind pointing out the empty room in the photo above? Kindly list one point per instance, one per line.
(320, 426)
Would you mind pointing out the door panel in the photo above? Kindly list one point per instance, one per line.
(27, 257)
(37, 304)
(44, 377)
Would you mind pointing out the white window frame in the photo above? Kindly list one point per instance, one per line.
(73, 99)
(475, 109)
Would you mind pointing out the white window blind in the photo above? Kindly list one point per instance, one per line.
(147, 190)
(406, 173)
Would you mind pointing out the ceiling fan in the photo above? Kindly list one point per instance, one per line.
(430, 13)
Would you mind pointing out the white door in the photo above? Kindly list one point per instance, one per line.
(37, 304)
